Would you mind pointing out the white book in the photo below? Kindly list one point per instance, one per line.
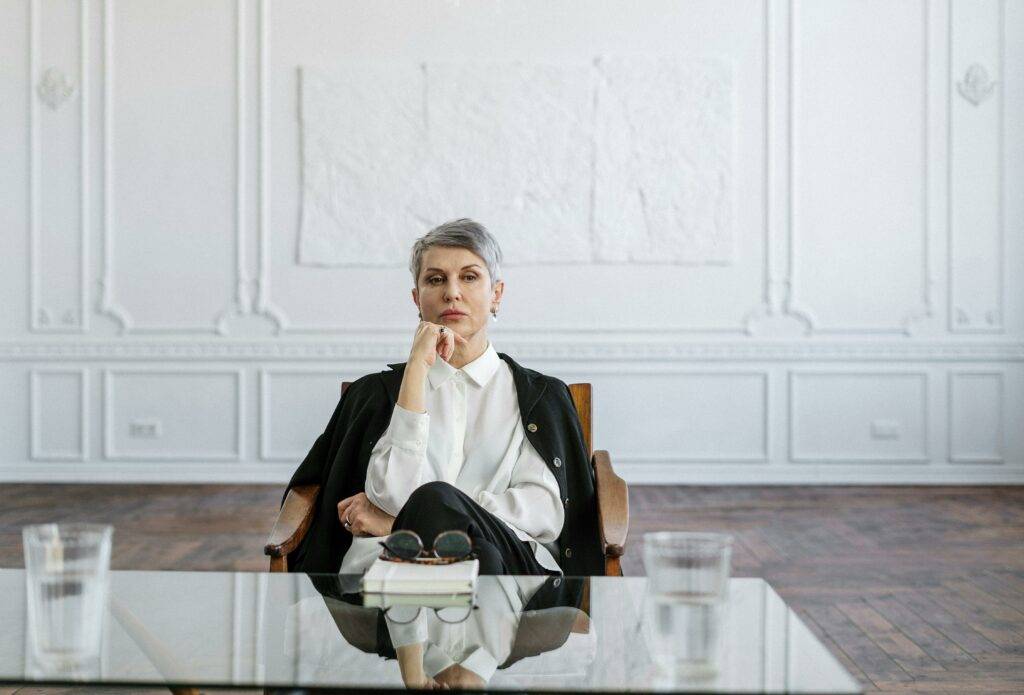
(389, 577)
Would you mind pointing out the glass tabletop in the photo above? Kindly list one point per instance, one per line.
(241, 629)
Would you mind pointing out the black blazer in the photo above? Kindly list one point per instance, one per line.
(338, 460)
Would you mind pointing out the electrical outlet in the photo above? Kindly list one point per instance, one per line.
(144, 429)
(885, 429)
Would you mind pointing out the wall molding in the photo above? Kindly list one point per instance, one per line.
(955, 457)
(921, 459)
(36, 451)
(107, 304)
(778, 231)
(762, 458)
(396, 351)
(817, 474)
(243, 283)
(957, 319)
(266, 452)
(109, 449)
(265, 306)
(43, 319)
(793, 305)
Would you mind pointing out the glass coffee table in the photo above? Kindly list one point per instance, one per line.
(261, 630)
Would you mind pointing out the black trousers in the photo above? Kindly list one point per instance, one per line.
(438, 506)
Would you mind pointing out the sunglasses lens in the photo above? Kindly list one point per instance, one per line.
(402, 614)
(404, 544)
(452, 544)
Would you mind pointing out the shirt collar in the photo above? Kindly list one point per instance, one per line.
(479, 370)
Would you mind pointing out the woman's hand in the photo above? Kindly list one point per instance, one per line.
(455, 676)
(429, 342)
(410, 664)
(422, 681)
(361, 517)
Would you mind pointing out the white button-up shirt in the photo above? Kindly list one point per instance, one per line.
(472, 437)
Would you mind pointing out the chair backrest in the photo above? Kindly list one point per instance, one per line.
(580, 398)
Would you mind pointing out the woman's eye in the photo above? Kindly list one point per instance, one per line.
(470, 277)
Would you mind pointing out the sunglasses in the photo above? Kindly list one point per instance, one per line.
(407, 546)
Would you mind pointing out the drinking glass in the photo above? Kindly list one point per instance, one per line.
(688, 579)
(67, 570)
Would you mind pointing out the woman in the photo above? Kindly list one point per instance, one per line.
(459, 437)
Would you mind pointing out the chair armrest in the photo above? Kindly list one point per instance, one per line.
(292, 521)
(612, 505)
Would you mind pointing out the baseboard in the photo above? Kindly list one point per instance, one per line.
(875, 473)
(661, 473)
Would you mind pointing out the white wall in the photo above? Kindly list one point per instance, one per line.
(866, 325)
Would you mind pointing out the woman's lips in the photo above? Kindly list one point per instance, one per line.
(453, 316)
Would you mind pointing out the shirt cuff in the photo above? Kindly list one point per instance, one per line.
(409, 429)
(481, 662)
(435, 660)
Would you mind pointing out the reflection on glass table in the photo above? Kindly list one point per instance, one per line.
(297, 630)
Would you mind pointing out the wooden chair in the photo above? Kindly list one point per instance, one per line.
(612, 502)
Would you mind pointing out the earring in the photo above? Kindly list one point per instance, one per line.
(494, 315)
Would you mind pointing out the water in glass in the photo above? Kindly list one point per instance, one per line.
(684, 609)
(67, 574)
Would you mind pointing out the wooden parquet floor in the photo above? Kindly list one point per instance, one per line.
(914, 589)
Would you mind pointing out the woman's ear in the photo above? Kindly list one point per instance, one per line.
(499, 287)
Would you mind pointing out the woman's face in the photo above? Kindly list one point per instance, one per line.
(456, 279)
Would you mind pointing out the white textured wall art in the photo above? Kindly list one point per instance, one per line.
(625, 159)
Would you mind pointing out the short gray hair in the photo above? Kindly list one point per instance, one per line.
(462, 233)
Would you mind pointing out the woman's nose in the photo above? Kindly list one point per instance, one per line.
(452, 291)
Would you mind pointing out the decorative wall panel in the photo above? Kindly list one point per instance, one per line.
(170, 206)
(59, 407)
(295, 406)
(975, 166)
(858, 417)
(976, 417)
(695, 200)
(680, 417)
(59, 165)
(625, 159)
(181, 414)
(859, 206)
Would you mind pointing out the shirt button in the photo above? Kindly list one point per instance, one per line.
(557, 583)
(532, 427)
(566, 501)
(568, 552)
(557, 462)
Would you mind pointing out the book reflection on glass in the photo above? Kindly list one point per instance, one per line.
(426, 600)
(386, 577)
